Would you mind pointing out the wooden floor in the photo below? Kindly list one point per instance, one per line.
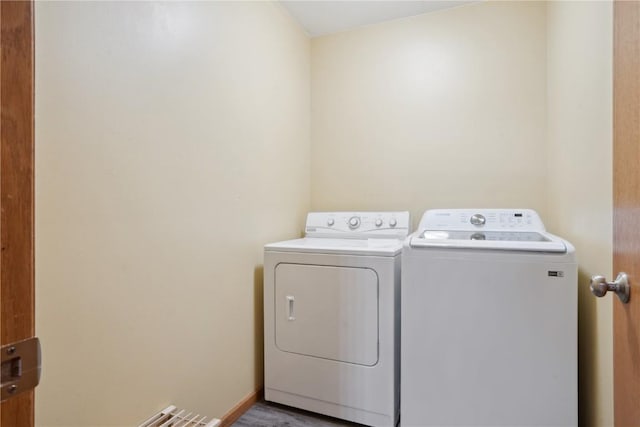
(266, 414)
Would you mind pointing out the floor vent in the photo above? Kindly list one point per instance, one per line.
(174, 417)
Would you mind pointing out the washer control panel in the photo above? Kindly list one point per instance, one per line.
(358, 224)
(481, 219)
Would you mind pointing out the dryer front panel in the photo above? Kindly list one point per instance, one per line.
(329, 312)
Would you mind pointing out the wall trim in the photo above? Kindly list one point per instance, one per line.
(240, 408)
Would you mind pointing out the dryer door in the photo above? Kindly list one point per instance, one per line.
(328, 312)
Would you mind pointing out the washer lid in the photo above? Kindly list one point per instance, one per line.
(531, 241)
(377, 247)
(491, 229)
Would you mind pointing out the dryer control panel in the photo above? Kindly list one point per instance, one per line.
(482, 219)
(358, 225)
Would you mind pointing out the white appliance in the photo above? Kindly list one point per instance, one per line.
(331, 316)
(489, 322)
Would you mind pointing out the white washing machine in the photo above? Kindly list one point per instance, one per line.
(489, 322)
(331, 316)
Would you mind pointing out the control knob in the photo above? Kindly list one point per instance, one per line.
(354, 222)
(393, 222)
(378, 222)
(330, 222)
(478, 220)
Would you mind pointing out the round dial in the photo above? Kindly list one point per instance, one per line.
(393, 222)
(330, 222)
(478, 220)
(378, 222)
(354, 222)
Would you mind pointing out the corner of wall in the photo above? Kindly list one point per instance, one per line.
(579, 138)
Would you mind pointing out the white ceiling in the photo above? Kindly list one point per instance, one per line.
(320, 17)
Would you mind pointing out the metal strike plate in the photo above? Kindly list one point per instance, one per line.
(20, 369)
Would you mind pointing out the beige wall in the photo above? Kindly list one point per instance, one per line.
(441, 109)
(580, 178)
(446, 109)
(172, 142)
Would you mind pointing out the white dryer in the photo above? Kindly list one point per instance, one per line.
(489, 322)
(331, 316)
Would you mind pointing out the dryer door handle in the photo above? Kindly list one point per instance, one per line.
(290, 300)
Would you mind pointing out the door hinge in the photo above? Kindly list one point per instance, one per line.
(20, 367)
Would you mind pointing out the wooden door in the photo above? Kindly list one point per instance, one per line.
(16, 192)
(626, 209)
